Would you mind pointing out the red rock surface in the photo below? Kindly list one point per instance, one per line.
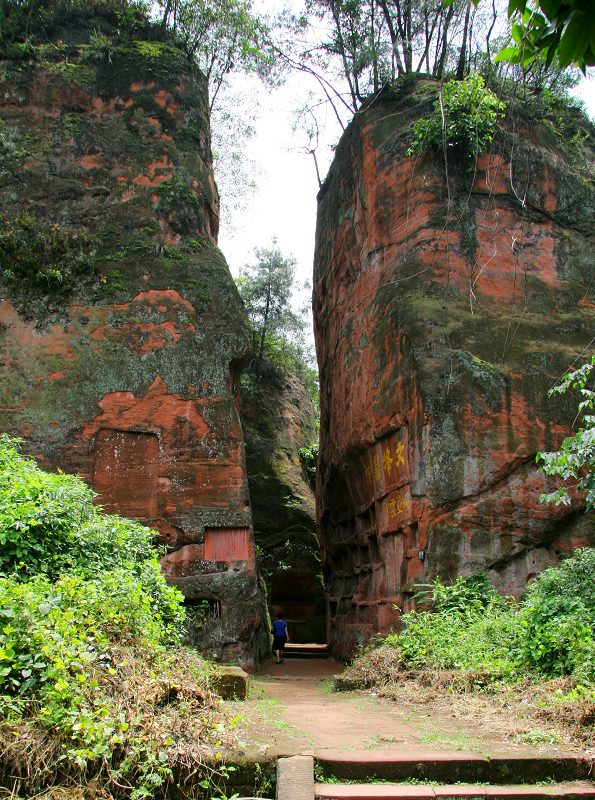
(444, 310)
(125, 369)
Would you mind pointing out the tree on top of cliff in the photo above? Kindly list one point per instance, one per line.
(355, 48)
(279, 331)
(372, 43)
(266, 288)
(221, 36)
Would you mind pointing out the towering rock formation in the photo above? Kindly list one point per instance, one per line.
(447, 302)
(278, 420)
(121, 326)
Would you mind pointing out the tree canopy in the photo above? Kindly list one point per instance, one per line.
(220, 36)
(268, 289)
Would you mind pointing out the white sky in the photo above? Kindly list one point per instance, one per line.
(283, 205)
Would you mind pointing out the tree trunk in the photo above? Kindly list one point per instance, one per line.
(463, 51)
(265, 320)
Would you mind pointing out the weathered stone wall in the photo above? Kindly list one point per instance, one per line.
(445, 307)
(278, 419)
(121, 326)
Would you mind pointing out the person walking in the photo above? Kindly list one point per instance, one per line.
(280, 637)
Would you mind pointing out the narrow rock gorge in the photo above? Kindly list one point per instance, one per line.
(278, 420)
(449, 296)
(122, 330)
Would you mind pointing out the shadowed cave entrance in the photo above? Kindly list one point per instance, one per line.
(300, 597)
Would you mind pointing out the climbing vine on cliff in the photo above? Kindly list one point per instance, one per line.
(575, 460)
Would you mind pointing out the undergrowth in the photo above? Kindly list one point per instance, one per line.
(474, 640)
(95, 688)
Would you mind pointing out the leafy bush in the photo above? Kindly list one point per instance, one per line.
(558, 617)
(309, 459)
(92, 578)
(48, 524)
(53, 631)
(466, 115)
(551, 632)
(470, 627)
(39, 512)
(576, 458)
(471, 595)
(87, 623)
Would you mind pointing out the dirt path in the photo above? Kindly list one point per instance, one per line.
(292, 709)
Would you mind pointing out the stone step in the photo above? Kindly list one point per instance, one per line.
(306, 650)
(394, 791)
(451, 768)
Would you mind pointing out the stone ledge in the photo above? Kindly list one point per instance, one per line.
(230, 683)
(295, 778)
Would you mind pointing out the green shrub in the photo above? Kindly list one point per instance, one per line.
(558, 616)
(48, 525)
(39, 512)
(54, 629)
(86, 620)
(75, 580)
(466, 115)
(550, 633)
(470, 595)
(470, 627)
(309, 459)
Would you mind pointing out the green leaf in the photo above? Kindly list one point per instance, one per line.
(508, 54)
(550, 7)
(575, 39)
(516, 5)
(517, 32)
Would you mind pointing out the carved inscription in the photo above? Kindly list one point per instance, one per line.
(228, 544)
(384, 466)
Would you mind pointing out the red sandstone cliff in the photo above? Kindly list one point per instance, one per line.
(444, 310)
(121, 326)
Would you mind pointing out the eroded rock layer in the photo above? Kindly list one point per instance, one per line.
(121, 326)
(447, 302)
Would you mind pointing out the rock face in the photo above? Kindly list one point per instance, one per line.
(446, 304)
(278, 419)
(121, 327)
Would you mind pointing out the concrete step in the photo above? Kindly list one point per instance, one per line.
(451, 768)
(394, 791)
(306, 650)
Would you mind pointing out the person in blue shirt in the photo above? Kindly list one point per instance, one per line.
(280, 637)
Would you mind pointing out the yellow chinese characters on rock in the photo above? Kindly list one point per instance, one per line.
(397, 510)
(397, 506)
(384, 469)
